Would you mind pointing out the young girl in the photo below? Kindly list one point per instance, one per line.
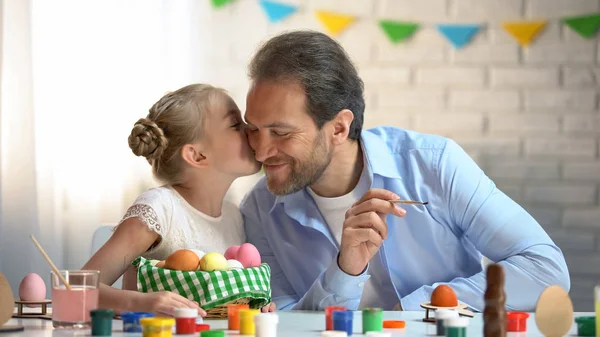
(195, 141)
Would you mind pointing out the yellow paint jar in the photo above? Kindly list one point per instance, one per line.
(157, 326)
(247, 321)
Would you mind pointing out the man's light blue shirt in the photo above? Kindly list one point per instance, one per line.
(440, 243)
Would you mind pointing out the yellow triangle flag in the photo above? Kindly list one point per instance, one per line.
(524, 31)
(333, 22)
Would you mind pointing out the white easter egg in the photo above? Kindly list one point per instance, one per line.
(235, 264)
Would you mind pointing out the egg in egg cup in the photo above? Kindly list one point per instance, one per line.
(444, 297)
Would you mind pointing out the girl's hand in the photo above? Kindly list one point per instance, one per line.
(164, 303)
(269, 307)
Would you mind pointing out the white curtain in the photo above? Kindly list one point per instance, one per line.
(75, 76)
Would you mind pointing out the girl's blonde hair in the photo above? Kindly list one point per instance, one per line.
(175, 120)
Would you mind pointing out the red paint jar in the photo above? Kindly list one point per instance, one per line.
(516, 321)
(185, 321)
(329, 316)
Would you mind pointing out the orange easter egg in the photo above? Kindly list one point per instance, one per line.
(444, 296)
(183, 260)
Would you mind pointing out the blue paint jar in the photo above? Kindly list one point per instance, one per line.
(131, 320)
(342, 321)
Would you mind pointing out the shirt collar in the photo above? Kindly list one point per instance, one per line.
(379, 160)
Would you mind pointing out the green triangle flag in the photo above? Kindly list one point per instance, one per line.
(220, 3)
(397, 30)
(585, 25)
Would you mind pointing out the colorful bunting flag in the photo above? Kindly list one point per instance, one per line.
(398, 31)
(277, 11)
(220, 3)
(585, 25)
(333, 22)
(458, 34)
(524, 31)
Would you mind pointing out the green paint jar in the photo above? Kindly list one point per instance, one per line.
(457, 327)
(372, 319)
(586, 326)
(102, 322)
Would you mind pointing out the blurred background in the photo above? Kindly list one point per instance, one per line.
(76, 75)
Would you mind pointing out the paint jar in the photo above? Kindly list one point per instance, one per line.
(131, 320)
(157, 327)
(266, 324)
(586, 326)
(342, 321)
(102, 322)
(247, 326)
(233, 318)
(441, 315)
(185, 321)
(516, 321)
(372, 319)
(328, 316)
(456, 327)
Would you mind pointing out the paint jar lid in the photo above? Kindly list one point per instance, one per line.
(446, 314)
(394, 324)
(266, 318)
(157, 321)
(102, 313)
(378, 334)
(213, 333)
(129, 316)
(202, 327)
(185, 313)
(333, 333)
(344, 315)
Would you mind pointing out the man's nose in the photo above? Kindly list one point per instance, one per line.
(262, 146)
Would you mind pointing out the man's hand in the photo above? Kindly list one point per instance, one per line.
(269, 307)
(365, 229)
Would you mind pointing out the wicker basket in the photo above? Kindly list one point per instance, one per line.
(213, 290)
(221, 310)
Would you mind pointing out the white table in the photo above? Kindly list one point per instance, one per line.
(293, 324)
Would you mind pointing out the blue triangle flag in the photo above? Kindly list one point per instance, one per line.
(458, 34)
(277, 11)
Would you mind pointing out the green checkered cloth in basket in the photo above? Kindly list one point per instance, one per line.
(210, 289)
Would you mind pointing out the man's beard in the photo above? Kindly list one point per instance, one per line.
(305, 173)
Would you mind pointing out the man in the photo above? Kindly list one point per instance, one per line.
(322, 216)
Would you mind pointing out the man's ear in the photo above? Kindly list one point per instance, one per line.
(192, 154)
(341, 126)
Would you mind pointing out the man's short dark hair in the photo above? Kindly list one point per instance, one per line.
(321, 66)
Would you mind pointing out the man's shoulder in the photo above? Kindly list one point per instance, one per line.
(399, 140)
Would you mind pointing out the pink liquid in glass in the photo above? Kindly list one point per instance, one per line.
(71, 306)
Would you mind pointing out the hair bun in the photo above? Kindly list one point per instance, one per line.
(147, 139)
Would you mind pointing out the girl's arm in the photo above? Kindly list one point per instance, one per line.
(131, 239)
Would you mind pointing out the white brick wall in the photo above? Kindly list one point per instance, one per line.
(529, 116)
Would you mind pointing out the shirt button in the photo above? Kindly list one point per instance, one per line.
(361, 284)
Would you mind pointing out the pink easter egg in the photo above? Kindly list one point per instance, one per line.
(231, 252)
(248, 255)
(32, 288)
